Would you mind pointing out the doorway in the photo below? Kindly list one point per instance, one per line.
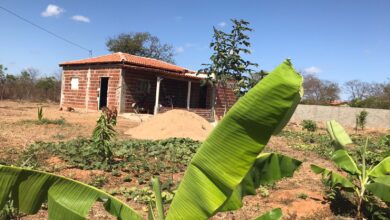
(202, 96)
(103, 92)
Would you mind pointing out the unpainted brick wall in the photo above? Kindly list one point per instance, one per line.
(77, 98)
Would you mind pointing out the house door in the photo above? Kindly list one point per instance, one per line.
(103, 92)
(202, 96)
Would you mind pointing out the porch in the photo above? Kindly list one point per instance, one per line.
(152, 93)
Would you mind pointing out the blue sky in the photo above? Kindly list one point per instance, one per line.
(337, 40)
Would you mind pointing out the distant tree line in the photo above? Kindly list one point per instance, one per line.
(361, 94)
(28, 85)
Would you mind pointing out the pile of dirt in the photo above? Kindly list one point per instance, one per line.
(174, 123)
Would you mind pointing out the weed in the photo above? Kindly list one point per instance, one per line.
(58, 136)
(309, 125)
(303, 196)
(116, 173)
(127, 178)
(40, 113)
(98, 181)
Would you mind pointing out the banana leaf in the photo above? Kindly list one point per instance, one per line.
(230, 151)
(380, 188)
(274, 214)
(268, 168)
(333, 178)
(381, 169)
(344, 161)
(338, 135)
(67, 199)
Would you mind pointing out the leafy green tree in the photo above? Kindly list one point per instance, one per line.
(227, 64)
(141, 44)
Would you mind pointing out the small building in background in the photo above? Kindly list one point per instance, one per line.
(137, 84)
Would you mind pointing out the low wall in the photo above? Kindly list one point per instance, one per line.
(377, 118)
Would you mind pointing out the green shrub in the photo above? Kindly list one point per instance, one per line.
(309, 125)
(361, 120)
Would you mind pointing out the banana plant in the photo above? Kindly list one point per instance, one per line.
(228, 165)
(363, 180)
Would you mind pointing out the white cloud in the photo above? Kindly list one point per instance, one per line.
(81, 18)
(222, 24)
(312, 70)
(179, 49)
(52, 10)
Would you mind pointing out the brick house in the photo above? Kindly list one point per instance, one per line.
(138, 84)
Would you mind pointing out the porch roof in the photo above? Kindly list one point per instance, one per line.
(137, 61)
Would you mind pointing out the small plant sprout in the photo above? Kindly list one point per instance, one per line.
(40, 113)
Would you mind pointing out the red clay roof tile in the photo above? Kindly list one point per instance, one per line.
(129, 59)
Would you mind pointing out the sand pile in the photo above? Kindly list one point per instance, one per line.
(174, 123)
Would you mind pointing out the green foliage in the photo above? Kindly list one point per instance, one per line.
(309, 125)
(40, 113)
(140, 157)
(365, 181)
(227, 62)
(361, 119)
(236, 142)
(303, 196)
(141, 44)
(321, 144)
(67, 199)
(98, 181)
(101, 137)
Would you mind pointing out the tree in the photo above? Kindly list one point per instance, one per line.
(227, 63)
(319, 91)
(357, 90)
(141, 44)
(48, 84)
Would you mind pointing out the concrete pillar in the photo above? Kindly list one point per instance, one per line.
(156, 103)
(188, 94)
(87, 90)
(121, 98)
(62, 89)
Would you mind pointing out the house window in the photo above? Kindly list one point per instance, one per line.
(74, 83)
(143, 87)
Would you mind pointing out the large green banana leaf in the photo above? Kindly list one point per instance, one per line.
(230, 151)
(338, 135)
(344, 161)
(67, 199)
(380, 174)
(333, 178)
(380, 188)
(268, 168)
(381, 169)
(340, 140)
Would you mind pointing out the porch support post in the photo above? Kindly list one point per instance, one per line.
(188, 94)
(62, 89)
(156, 103)
(87, 91)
